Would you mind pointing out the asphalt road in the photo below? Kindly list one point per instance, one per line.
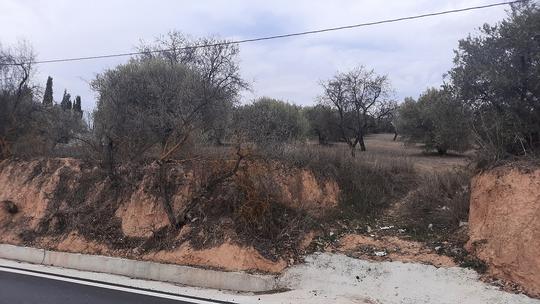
(18, 288)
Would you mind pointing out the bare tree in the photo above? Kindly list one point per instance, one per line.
(16, 93)
(358, 96)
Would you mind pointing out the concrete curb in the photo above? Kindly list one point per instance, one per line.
(184, 275)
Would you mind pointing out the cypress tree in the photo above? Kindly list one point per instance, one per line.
(48, 96)
(66, 101)
(77, 106)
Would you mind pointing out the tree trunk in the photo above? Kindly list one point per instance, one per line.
(322, 140)
(4, 149)
(441, 150)
(395, 136)
(109, 157)
(362, 144)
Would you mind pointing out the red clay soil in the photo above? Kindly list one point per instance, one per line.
(504, 224)
(31, 186)
(391, 248)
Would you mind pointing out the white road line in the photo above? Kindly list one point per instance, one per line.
(125, 289)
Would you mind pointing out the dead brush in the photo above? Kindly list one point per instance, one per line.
(368, 183)
(247, 209)
(261, 217)
(76, 206)
(439, 204)
(256, 197)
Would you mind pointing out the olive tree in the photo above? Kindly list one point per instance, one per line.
(147, 103)
(323, 123)
(216, 60)
(437, 119)
(497, 74)
(268, 120)
(359, 97)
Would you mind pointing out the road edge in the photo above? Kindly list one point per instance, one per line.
(185, 275)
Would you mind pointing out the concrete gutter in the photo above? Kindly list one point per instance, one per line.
(184, 275)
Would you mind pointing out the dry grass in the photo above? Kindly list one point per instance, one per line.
(246, 209)
(383, 146)
(369, 182)
(438, 205)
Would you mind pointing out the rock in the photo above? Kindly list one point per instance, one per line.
(504, 224)
(10, 207)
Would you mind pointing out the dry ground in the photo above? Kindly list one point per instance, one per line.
(383, 146)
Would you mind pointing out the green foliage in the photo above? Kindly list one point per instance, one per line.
(323, 123)
(271, 120)
(48, 95)
(437, 120)
(497, 74)
(219, 69)
(66, 103)
(17, 106)
(77, 107)
(144, 103)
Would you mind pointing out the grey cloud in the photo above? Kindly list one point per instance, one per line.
(414, 54)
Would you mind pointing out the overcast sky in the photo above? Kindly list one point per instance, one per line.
(414, 54)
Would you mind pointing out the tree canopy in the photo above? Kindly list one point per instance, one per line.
(497, 74)
(437, 120)
(271, 120)
(358, 96)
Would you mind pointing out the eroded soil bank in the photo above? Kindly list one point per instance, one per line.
(504, 224)
(264, 218)
(62, 204)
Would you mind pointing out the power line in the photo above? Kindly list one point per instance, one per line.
(277, 36)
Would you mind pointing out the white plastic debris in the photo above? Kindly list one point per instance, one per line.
(387, 227)
(380, 253)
